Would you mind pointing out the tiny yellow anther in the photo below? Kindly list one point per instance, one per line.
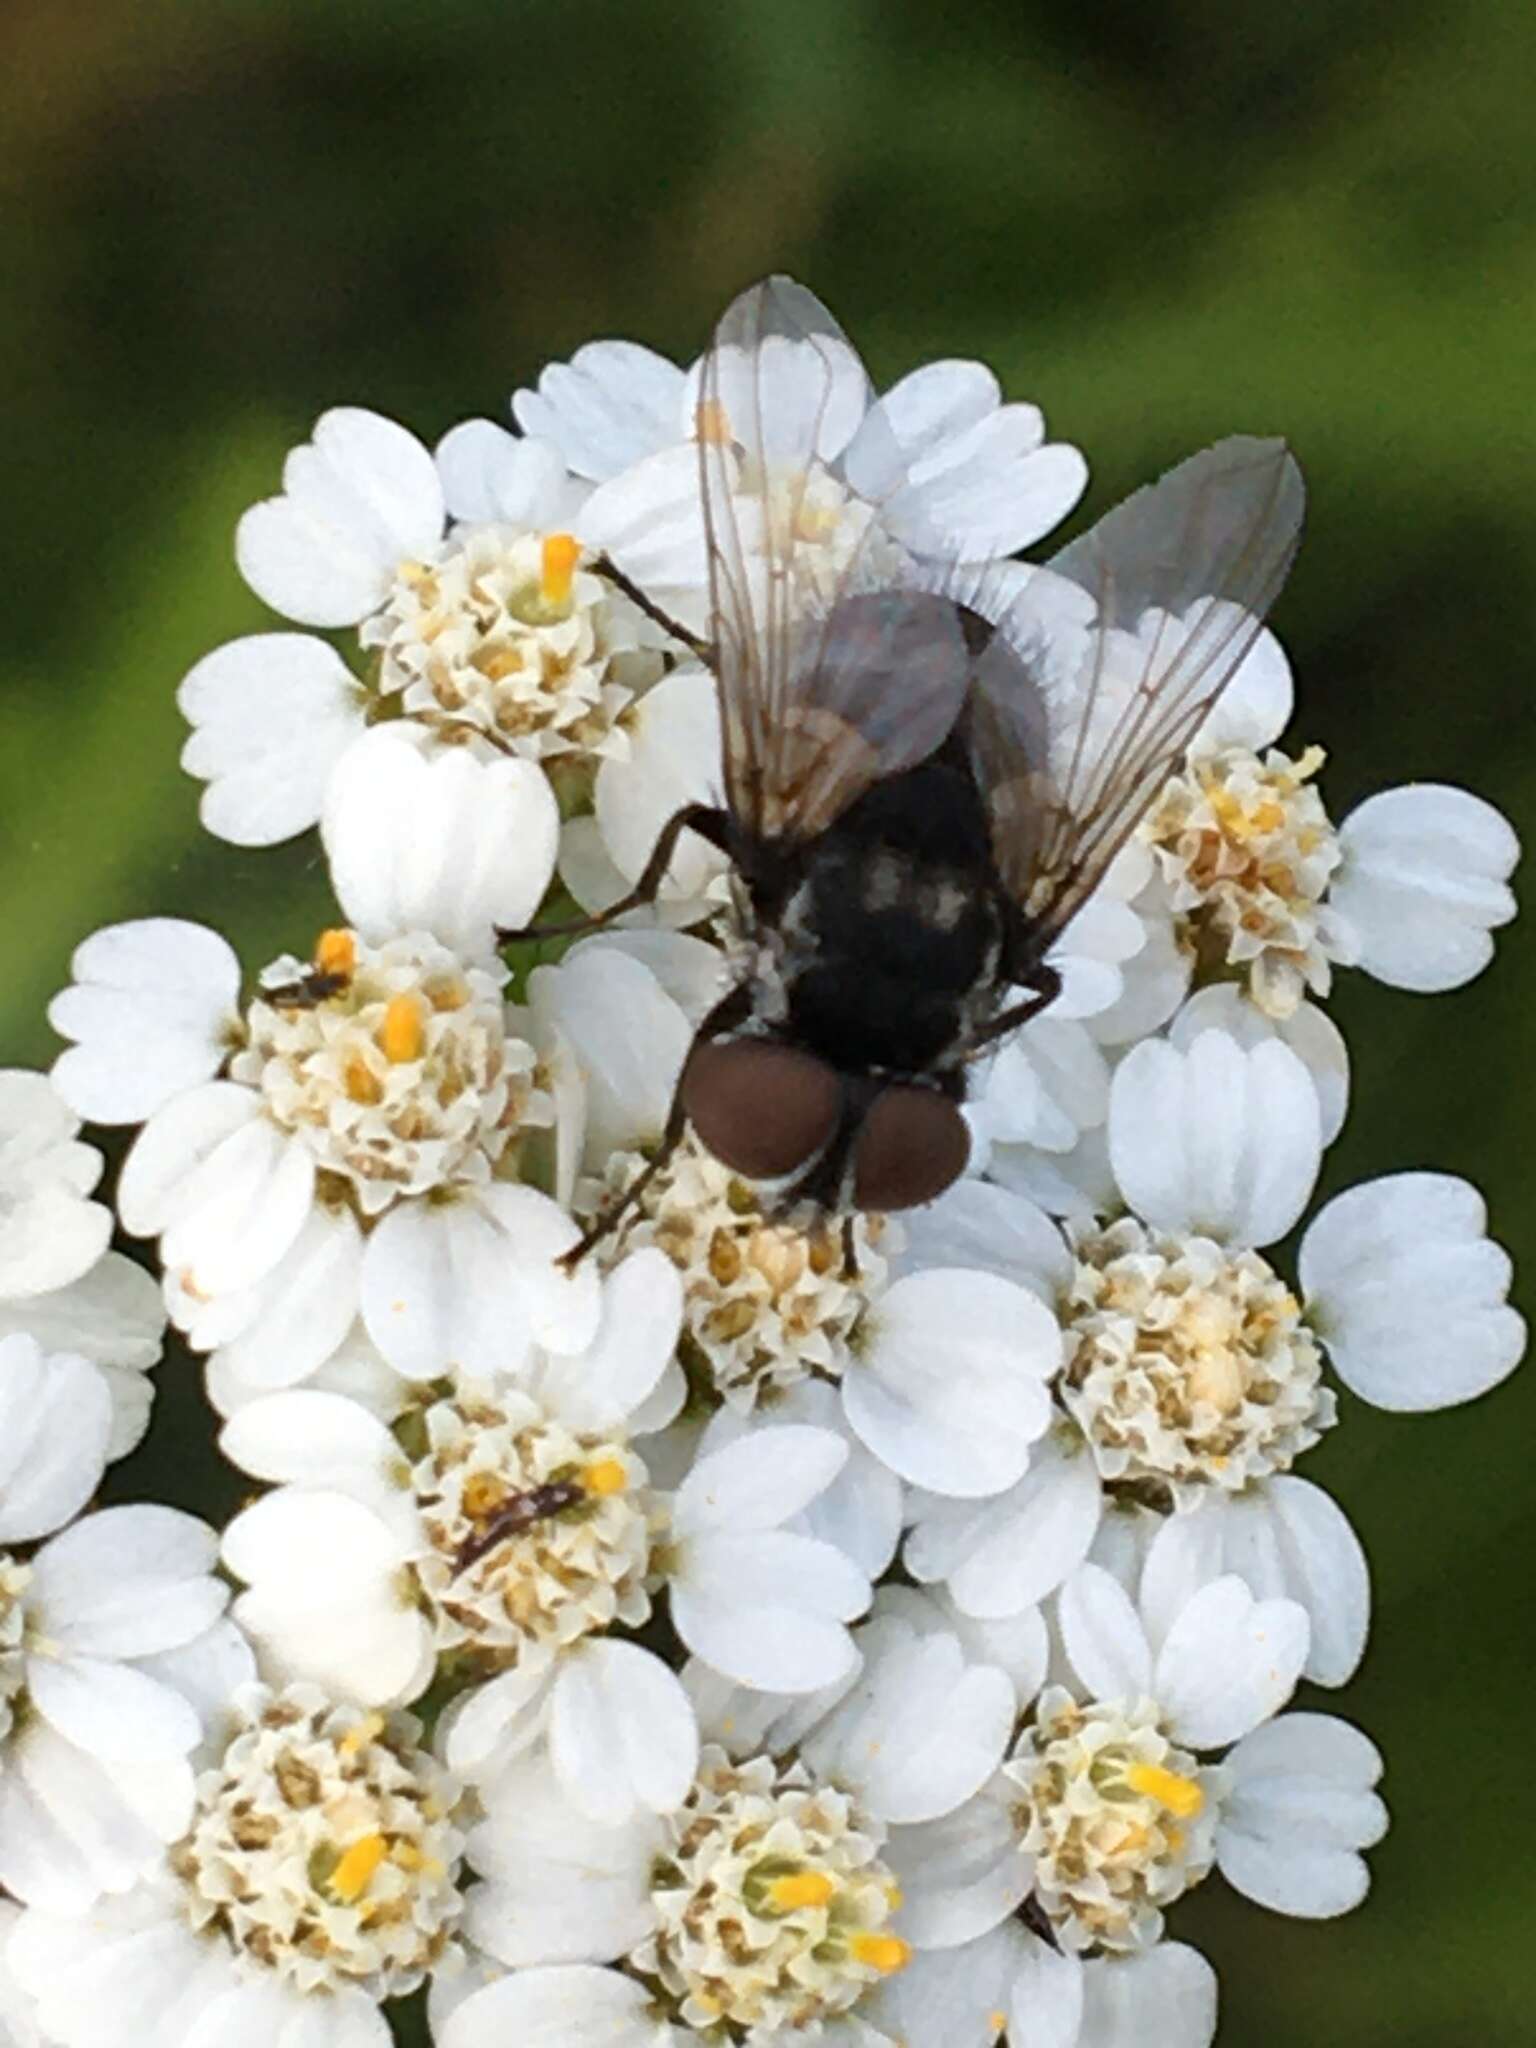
(336, 952)
(894, 1897)
(711, 422)
(557, 568)
(353, 1874)
(406, 1856)
(805, 1888)
(605, 1476)
(362, 1083)
(369, 1729)
(996, 2021)
(886, 1953)
(403, 1033)
(1181, 1796)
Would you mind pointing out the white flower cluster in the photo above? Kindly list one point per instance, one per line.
(759, 1634)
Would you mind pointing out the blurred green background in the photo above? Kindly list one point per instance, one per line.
(1164, 223)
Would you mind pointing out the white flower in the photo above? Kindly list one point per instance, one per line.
(100, 1635)
(316, 1876)
(764, 1901)
(507, 1533)
(55, 1429)
(1253, 876)
(1107, 1810)
(18, 2018)
(464, 577)
(50, 1230)
(345, 1143)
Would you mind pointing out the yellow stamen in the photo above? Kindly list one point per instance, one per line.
(369, 1729)
(893, 1897)
(996, 2021)
(1180, 1795)
(557, 569)
(353, 1874)
(362, 1083)
(403, 1033)
(336, 952)
(805, 1888)
(886, 1953)
(711, 422)
(406, 1856)
(605, 1476)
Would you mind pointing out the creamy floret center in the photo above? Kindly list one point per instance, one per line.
(15, 1577)
(324, 1847)
(774, 1908)
(1189, 1365)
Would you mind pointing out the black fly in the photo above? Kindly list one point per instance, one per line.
(926, 770)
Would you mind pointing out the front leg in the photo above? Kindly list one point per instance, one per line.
(708, 820)
(699, 649)
(1044, 984)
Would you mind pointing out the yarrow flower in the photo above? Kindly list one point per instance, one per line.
(666, 1609)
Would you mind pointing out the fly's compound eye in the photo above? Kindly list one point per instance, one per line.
(763, 1109)
(912, 1144)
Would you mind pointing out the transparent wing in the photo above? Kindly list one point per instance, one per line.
(834, 668)
(1105, 663)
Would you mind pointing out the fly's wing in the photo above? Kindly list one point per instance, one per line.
(1104, 664)
(834, 669)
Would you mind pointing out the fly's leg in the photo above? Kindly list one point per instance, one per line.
(850, 1251)
(700, 649)
(618, 1206)
(706, 819)
(1044, 984)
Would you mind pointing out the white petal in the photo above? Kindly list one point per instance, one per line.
(1228, 1663)
(1164, 1998)
(622, 1736)
(564, 1308)
(648, 521)
(949, 1392)
(760, 1481)
(612, 404)
(1408, 1293)
(1103, 1636)
(484, 1728)
(1255, 707)
(173, 1145)
(479, 853)
(111, 1711)
(312, 1439)
(1007, 1553)
(961, 1875)
(1285, 1539)
(989, 1228)
(55, 1422)
(1046, 2006)
(1302, 1806)
(767, 1608)
(440, 1292)
(951, 1998)
(1219, 1139)
(563, 2006)
(271, 715)
(489, 474)
(1309, 1032)
(149, 1009)
(359, 499)
(305, 1305)
(674, 759)
(128, 1581)
(1424, 881)
(629, 1039)
(618, 1373)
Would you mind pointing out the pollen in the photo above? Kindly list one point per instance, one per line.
(361, 1083)
(557, 568)
(605, 1476)
(886, 1953)
(354, 1873)
(403, 1033)
(804, 1888)
(369, 1729)
(336, 952)
(712, 422)
(1181, 1796)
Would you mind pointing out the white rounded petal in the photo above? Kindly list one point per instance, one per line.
(558, 2006)
(440, 1293)
(961, 1875)
(768, 1608)
(622, 1734)
(173, 1145)
(1103, 1636)
(304, 1307)
(489, 474)
(612, 404)
(993, 1230)
(132, 1970)
(947, 1998)
(648, 521)
(1409, 1294)
(674, 759)
(1219, 1139)
(758, 1481)
(51, 1238)
(987, 489)
(111, 1711)
(479, 852)
(55, 1425)
(1425, 879)
(271, 715)
(921, 1730)
(1163, 1998)
(860, 1513)
(1285, 1539)
(950, 1389)
(360, 498)
(1309, 1032)
(128, 1581)
(1001, 1555)
(1302, 1806)
(564, 1308)
(629, 1039)
(1255, 707)
(1153, 982)
(618, 1374)
(149, 1011)
(309, 1438)
(485, 1728)
(240, 1210)
(1227, 1663)
(112, 1315)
